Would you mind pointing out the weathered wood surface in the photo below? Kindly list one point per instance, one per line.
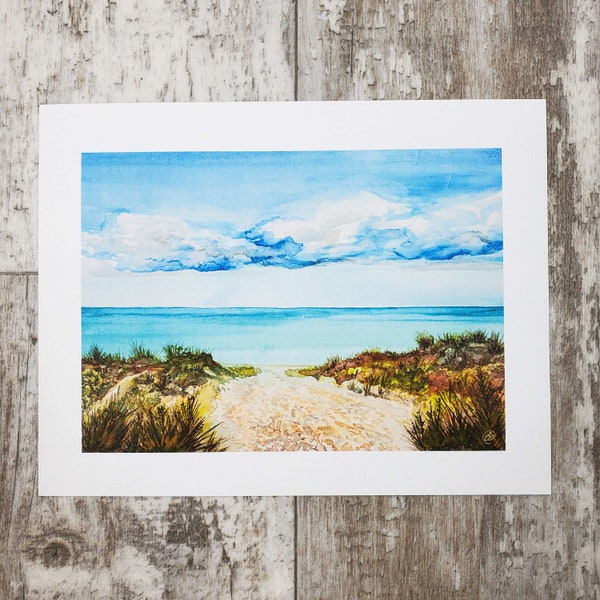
(510, 547)
(90, 548)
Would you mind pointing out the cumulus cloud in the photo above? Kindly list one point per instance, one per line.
(366, 228)
(334, 231)
(144, 243)
(472, 228)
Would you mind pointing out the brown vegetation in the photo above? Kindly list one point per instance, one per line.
(150, 403)
(457, 381)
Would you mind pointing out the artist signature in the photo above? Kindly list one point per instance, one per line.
(489, 437)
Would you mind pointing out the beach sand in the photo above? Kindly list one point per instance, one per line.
(272, 411)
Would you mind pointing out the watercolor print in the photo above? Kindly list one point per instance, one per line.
(281, 301)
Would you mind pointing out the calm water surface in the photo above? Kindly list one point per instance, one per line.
(278, 336)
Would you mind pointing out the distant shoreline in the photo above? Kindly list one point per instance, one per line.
(358, 308)
(294, 336)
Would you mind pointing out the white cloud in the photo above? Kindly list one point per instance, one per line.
(333, 225)
(143, 243)
(364, 228)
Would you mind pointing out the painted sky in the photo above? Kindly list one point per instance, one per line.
(273, 215)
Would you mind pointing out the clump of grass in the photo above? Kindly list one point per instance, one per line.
(139, 353)
(471, 417)
(106, 428)
(117, 427)
(176, 353)
(97, 356)
(424, 340)
(94, 354)
(407, 376)
(186, 366)
(332, 363)
(411, 376)
(243, 371)
(327, 369)
(478, 336)
(460, 341)
(190, 359)
(494, 343)
(176, 429)
(457, 341)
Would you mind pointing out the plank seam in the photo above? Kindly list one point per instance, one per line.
(295, 547)
(3, 273)
(296, 63)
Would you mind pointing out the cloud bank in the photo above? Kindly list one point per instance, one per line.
(363, 229)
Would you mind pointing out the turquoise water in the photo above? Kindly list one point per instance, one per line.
(278, 336)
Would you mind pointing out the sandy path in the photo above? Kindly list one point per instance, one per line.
(272, 411)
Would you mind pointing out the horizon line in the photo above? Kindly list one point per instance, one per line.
(312, 307)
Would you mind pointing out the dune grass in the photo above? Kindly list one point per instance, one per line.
(120, 427)
(107, 428)
(492, 341)
(469, 417)
(455, 379)
(159, 411)
(96, 355)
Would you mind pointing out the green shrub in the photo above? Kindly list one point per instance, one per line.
(190, 360)
(175, 353)
(411, 376)
(244, 371)
(92, 386)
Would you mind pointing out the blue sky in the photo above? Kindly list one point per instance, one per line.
(263, 212)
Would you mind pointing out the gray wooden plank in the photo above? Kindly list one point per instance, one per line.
(18, 427)
(155, 51)
(472, 547)
(119, 547)
(59, 52)
(383, 547)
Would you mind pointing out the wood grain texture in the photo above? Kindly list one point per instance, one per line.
(472, 547)
(360, 547)
(56, 51)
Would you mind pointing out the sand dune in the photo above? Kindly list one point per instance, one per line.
(272, 411)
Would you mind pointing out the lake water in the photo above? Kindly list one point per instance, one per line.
(278, 336)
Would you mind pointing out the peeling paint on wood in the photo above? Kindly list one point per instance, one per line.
(353, 547)
(80, 51)
(83, 51)
(493, 547)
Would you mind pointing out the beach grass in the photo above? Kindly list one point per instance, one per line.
(469, 417)
(120, 427)
(151, 401)
(456, 381)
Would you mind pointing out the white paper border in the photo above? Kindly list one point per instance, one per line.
(516, 126)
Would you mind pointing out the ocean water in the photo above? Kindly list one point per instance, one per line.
(278, 336)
